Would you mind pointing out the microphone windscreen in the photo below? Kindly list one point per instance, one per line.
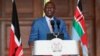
(52, 22)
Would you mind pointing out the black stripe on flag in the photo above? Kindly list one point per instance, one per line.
(80, 5)
(15, 21)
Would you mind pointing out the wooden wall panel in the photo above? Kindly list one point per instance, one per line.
(24, 8)
(0, 8)
(25, 27)
(88, 12)
(28, 10)
(0, 18)
(88, 8)
(97, 9)
(64, 8)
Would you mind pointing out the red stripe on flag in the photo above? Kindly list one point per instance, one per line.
(84, 40)
(77, 13)
(19, 51)
(84, 36)
(12, 45)
(82, 22)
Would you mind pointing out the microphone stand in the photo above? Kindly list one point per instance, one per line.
(58, 26)
(57, 46)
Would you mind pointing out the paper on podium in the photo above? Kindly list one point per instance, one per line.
(50, 47)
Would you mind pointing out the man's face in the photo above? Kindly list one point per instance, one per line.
(49, 9)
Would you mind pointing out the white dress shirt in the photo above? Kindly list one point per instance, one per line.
(49, 24)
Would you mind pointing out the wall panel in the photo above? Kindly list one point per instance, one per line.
(28, 10)
(97, 9)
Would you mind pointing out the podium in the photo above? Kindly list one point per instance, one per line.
(56, 47)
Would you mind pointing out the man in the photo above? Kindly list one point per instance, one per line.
(42, 26)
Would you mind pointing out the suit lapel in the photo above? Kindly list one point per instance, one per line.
(46, 27)
(55, 26)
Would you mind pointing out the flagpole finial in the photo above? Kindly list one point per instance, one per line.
(78, 1)
(12, 0)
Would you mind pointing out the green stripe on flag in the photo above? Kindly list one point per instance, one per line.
(77, 27)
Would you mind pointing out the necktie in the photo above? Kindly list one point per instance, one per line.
(56, 29)
(50, 26)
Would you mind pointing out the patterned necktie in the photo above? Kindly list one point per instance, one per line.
(50, 27)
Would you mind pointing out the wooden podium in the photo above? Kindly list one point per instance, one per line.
(56, 47)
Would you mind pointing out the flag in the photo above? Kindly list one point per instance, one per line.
(79, 28)
(45, 1)
(15, 45)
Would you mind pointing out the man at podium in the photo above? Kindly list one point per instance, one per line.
(41, 27)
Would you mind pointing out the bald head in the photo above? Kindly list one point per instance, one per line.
(49, 9)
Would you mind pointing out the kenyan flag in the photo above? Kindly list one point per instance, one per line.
(79, 28)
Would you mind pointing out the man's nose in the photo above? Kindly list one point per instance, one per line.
(50, 9)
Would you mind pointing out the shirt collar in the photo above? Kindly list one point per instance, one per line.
(47, 18)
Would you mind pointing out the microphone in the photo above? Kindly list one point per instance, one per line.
(58, 25)
(52, 24)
